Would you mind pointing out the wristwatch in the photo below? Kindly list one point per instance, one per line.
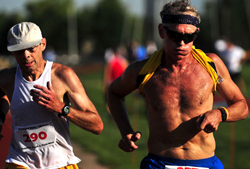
(65, 111)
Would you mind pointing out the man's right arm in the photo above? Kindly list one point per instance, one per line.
(118, 89)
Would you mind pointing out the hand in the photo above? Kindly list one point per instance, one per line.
(127, 143)
(209, 121)
(46, 97)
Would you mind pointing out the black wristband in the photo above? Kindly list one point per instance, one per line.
(223, 114)
(2, 116)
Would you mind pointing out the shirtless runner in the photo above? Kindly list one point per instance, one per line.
(40, 93)
(178, 83)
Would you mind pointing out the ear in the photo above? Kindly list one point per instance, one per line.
(161, 31)
(43, 44)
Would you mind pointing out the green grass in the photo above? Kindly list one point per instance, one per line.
(105, 145)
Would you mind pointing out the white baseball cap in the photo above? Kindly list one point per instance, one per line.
(23, 36)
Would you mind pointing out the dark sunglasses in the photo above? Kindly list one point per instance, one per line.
(178, 37)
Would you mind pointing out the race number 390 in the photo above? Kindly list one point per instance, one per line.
(34, 136)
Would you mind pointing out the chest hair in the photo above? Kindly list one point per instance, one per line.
(182, 89)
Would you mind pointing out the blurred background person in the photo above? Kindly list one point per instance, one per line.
(108, 55)
(50, 54)
(151, 48)
(233, 56)
(115, 65)
(141, 52)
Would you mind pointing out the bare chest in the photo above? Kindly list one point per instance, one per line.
(187, 89)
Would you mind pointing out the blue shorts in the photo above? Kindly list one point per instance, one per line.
(158, 162)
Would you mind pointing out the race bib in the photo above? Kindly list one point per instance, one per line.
(35, 136)
(183, 167)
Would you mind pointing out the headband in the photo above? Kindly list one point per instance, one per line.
(181, 19)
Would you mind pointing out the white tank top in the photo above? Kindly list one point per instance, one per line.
(40, 138)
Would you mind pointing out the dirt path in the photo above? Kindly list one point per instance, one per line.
(89, 160)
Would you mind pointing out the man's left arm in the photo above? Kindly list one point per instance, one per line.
(83, 113)
(237, 105)
(237, 108)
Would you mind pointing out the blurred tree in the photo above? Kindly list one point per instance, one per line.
(237, 22)
(227, 18)
(149, 21)
(107, 24)
(6, 22)
(51, 17)
(85, 25)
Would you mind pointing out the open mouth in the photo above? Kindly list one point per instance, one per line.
(28, 63)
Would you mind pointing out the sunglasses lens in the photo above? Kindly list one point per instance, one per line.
(178, 37)
(172, 35)
(189, 38)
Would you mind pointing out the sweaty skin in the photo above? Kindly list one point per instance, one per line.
(179, 99)
(175, 103)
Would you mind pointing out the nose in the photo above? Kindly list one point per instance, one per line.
(181, 42)
(26, 53)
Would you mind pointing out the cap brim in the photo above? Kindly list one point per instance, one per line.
(17, 47)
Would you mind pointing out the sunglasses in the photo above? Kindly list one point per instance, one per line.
(178, 37)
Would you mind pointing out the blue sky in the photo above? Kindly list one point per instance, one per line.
(135, 6)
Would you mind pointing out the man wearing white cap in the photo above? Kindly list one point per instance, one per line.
(40, 93)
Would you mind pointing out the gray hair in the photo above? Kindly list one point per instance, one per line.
(180, 7)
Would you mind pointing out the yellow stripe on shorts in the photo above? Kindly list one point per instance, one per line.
(72, 166)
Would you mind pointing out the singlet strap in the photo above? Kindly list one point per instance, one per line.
(148, 69)
(207, 64)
